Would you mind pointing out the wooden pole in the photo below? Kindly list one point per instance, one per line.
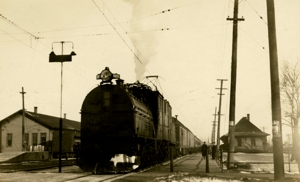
(231, 135)
(23, 120)
(275, 95)
(219, 116)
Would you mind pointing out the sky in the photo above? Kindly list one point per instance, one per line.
(186, 43)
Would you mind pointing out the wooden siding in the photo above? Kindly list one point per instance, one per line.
(14, 126)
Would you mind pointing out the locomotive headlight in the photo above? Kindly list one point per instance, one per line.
(105, 75)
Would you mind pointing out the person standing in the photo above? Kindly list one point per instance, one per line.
(204, 150)
(209, 148)
(214, 150)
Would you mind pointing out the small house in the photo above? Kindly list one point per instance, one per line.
(248, 138)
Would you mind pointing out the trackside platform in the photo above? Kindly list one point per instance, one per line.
(193, 163)
(193, 166)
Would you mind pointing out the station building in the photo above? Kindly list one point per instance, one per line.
(248, 137)
(41, 132)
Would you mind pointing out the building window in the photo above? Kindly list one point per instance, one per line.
(34, 138)
(239, 142)
(26, 139)
(43, 138)
(9, 139)
(253, 142)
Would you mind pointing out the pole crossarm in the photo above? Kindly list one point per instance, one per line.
(237, 19)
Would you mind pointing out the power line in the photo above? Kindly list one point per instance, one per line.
(11, 22)
(257, 13)
(162, 12)
(118, 32)
(263, 47)
(21, 41)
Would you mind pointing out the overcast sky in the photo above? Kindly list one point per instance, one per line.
(187, 43)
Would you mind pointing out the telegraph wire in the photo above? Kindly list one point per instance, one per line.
(118, 32)
(257, 12)
(263, 47)
(21, 42)
(132, 32)
(50, 31)
(174, 28)
(11, 22)
(161, 12)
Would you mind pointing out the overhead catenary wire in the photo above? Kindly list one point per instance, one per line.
(136, 56)
(256, 12)
(11, 22)
(162, 12)
(21, 42)
(263, 47)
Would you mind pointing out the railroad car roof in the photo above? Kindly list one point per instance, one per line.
(180, 123)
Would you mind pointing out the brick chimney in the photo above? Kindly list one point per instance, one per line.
(65, 116)
(248, 117)
(35, 110)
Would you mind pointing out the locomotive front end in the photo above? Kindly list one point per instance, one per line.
(108, 123)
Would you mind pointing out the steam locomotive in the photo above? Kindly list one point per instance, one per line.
(130, 119)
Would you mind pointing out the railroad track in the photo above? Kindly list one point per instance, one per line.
(31, 166)
(73, 173)
(98, 178)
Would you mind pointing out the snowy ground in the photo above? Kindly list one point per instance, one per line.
(246, 165)
(249, 162)
(185, 177)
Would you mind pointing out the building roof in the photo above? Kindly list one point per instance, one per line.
(245, 128)
(47, 121)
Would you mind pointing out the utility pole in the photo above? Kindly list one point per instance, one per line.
(235, 19)
(275, 95)
(213, 136)
(219, 116)
(23, 119)
(171, 152)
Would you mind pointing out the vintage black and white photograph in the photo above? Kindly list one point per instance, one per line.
(149, 90)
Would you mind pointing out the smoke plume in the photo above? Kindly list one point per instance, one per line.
(143, 39)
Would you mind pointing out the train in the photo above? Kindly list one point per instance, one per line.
(130, 119)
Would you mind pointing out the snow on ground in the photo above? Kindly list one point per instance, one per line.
(248, 162)
(185, 177)
(245, 165)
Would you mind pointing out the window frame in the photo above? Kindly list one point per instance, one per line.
(7, 139)
(26, 139)
(32, 139)
(41, 137)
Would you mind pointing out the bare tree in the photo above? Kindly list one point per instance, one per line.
(290, 85)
